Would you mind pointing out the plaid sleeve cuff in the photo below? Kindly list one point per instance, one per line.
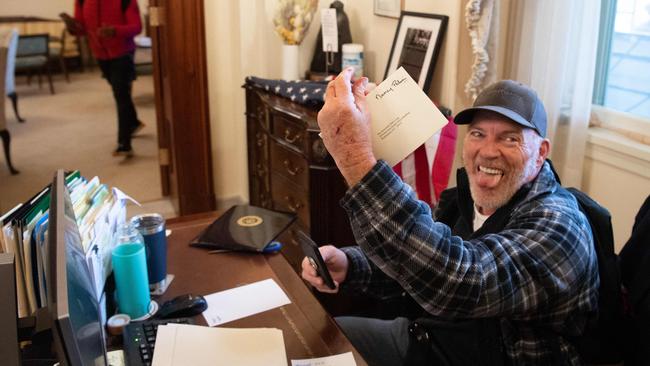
(359, 271)
(381, 192)
(376, 188)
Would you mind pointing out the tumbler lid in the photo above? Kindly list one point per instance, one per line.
(151, 223)
(352, 48)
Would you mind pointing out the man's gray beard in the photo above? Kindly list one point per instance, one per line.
(495, 200)
(501, 198)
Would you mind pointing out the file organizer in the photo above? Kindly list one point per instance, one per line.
(98, 210)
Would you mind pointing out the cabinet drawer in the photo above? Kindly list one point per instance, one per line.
(290, 165)
(289, 197)
(290, 132)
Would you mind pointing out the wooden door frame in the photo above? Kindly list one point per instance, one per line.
(185, 140)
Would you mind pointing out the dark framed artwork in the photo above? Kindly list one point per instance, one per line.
(416, 45)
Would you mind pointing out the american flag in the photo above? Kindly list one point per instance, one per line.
(427, 169)
(310, 93)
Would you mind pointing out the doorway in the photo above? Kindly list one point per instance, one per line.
(180, 78)
(177, 159)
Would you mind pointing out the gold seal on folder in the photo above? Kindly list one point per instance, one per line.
(249, 221)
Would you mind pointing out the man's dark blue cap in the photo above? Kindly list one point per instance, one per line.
(511, 99)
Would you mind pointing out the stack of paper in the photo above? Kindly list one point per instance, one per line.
(180, 344)
(99, 212)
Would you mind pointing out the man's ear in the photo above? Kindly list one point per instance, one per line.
(544, 150)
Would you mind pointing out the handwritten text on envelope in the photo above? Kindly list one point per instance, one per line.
(403, 117)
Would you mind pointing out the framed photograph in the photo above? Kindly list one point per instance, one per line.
(416, 45)
(388, 8)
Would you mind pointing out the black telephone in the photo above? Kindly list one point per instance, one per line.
(315, 259)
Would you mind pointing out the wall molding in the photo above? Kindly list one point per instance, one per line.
(618, 151)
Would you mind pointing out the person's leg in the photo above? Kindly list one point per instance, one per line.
(107, 67)
(380, 342)
(121, 79)
(461, 342)
(424, 342)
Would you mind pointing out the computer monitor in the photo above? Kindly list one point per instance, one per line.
(72, 304)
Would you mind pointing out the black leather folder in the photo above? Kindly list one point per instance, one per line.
(244, 228)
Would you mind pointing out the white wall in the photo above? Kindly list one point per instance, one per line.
(617, 175)
(41, 8)
(241, 41)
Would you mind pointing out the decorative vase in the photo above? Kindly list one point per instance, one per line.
(290, 61)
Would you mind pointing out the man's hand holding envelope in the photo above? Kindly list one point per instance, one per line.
(344, 121)
(358, 127)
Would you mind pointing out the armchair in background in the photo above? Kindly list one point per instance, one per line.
(33, 54)
(65, 46)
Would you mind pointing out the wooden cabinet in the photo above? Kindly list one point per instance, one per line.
(289, 169)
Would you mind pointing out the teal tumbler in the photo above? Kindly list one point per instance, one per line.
(130, 269)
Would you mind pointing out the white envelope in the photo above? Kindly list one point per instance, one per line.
(403, 117)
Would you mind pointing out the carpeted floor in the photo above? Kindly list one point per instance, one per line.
(76, 129)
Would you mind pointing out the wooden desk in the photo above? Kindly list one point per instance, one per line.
(308, 330)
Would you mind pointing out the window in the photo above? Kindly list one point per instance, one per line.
(622, 80)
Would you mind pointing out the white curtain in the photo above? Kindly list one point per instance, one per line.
(551, 46)
(482, 22)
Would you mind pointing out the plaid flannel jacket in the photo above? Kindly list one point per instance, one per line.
(538, 276)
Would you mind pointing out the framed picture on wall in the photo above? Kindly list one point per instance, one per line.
(388, 8)
(416, 45)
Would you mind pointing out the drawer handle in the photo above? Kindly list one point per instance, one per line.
(290, 168)
(293, 205)
(290, 139)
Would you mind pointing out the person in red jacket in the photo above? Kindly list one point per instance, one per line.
(110, 26)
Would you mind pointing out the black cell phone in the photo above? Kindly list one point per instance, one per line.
(315, 259)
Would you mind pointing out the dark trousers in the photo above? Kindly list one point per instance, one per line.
(424, 342)
(120, 73)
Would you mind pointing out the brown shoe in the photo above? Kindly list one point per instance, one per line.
(120, 151)
(138, 128)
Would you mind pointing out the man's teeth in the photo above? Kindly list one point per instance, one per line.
(490, 170)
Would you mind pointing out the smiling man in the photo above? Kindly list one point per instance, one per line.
(505, 271)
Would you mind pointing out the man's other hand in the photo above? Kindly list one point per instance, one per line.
(106, 31)
(344, 121)
(337, 264)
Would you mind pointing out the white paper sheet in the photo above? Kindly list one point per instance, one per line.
(344, 359)
(403, 117)
(181, 344)
(243, 301)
